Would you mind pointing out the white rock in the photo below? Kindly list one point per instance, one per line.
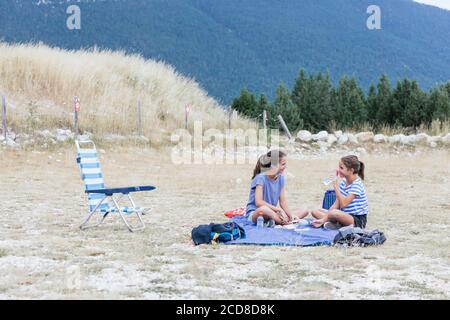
(60, 132)
(331, 139)
(323, 146)
(46, 134)
(433, 144)
(2, 138)
(411, 139)
(446, 139)
(321, 136)
(364, 136)
(422, 138)
(11, 143)
(396, 138)
(62, 138)
(343, 139)
(352, 138)
(435, 139)
(304, 135)
(338, 134)
(84, 137)
(379, 138)
(361, 150)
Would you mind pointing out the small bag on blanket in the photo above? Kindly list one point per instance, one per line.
(357, 237)
(214, 233)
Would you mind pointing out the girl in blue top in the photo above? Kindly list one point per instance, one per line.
(267, 190)
(350, 207)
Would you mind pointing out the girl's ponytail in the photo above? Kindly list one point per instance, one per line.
(352, 162)
(265, 161)
(361, 170)
(257, 169)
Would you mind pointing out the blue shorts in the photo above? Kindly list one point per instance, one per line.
(250, 216)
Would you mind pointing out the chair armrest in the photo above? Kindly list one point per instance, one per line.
(125, 190)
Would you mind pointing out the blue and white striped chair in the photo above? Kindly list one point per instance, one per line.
(99, 196)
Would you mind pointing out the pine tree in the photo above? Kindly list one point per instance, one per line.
(384, 102)
(313, 97)
(350, 103)
(399, 102)
(246, 104)
(372, 106)
(409, 103)
(415, 112)
(438, 105)
(287, 109)
(446, 88)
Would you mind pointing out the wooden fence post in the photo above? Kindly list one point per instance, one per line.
(76, 110)
(5, 129)
(286, 129)
(187, 110)
(230, 114)
(139, 118)
(265, 120)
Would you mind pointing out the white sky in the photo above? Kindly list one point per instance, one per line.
(445, 4)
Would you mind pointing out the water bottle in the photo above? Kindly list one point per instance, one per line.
(331, 179)
(260, 222)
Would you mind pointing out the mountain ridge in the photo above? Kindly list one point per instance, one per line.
(255, 44)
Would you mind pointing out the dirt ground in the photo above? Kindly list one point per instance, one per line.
(44, 255)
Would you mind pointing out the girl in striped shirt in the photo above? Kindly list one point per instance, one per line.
(350, 207)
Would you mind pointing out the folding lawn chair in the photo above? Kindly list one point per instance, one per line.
(98, 195)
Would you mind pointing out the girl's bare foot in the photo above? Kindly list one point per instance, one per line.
(317, 223)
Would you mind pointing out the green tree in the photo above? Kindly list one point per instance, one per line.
(372, 106)
(408, 105)
(438, 107)
(246, 104)
(313, 97)
(350, 108)
(383, 102)
(287, 109)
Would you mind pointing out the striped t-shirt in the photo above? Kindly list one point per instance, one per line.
(359, 205)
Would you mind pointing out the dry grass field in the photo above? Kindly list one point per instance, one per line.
(43, 253)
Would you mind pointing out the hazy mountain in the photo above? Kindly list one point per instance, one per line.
(227, 45)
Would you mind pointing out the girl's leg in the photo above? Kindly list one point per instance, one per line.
(343, 218)
(319, 214)
(267, 214)
(299, 213)
(334, 216)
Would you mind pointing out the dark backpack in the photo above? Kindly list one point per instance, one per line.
(357, 237)
(214, 233)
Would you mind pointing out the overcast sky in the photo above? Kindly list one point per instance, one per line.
(438, 3)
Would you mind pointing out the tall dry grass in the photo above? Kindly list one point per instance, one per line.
(40, 83)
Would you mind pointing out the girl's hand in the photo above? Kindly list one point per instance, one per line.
(286, 218)
(337, 182)
(289, 217)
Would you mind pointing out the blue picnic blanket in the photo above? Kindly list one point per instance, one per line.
(302, 235)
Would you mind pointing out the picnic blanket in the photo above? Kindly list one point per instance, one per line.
(299, 235)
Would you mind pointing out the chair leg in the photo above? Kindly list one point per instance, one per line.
(85, 224)
(145, 210)
(141, 224)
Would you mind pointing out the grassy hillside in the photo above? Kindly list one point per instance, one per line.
(40, 83)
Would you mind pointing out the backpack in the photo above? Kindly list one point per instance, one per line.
(214, 233)
(357, 237)
(328, 199)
